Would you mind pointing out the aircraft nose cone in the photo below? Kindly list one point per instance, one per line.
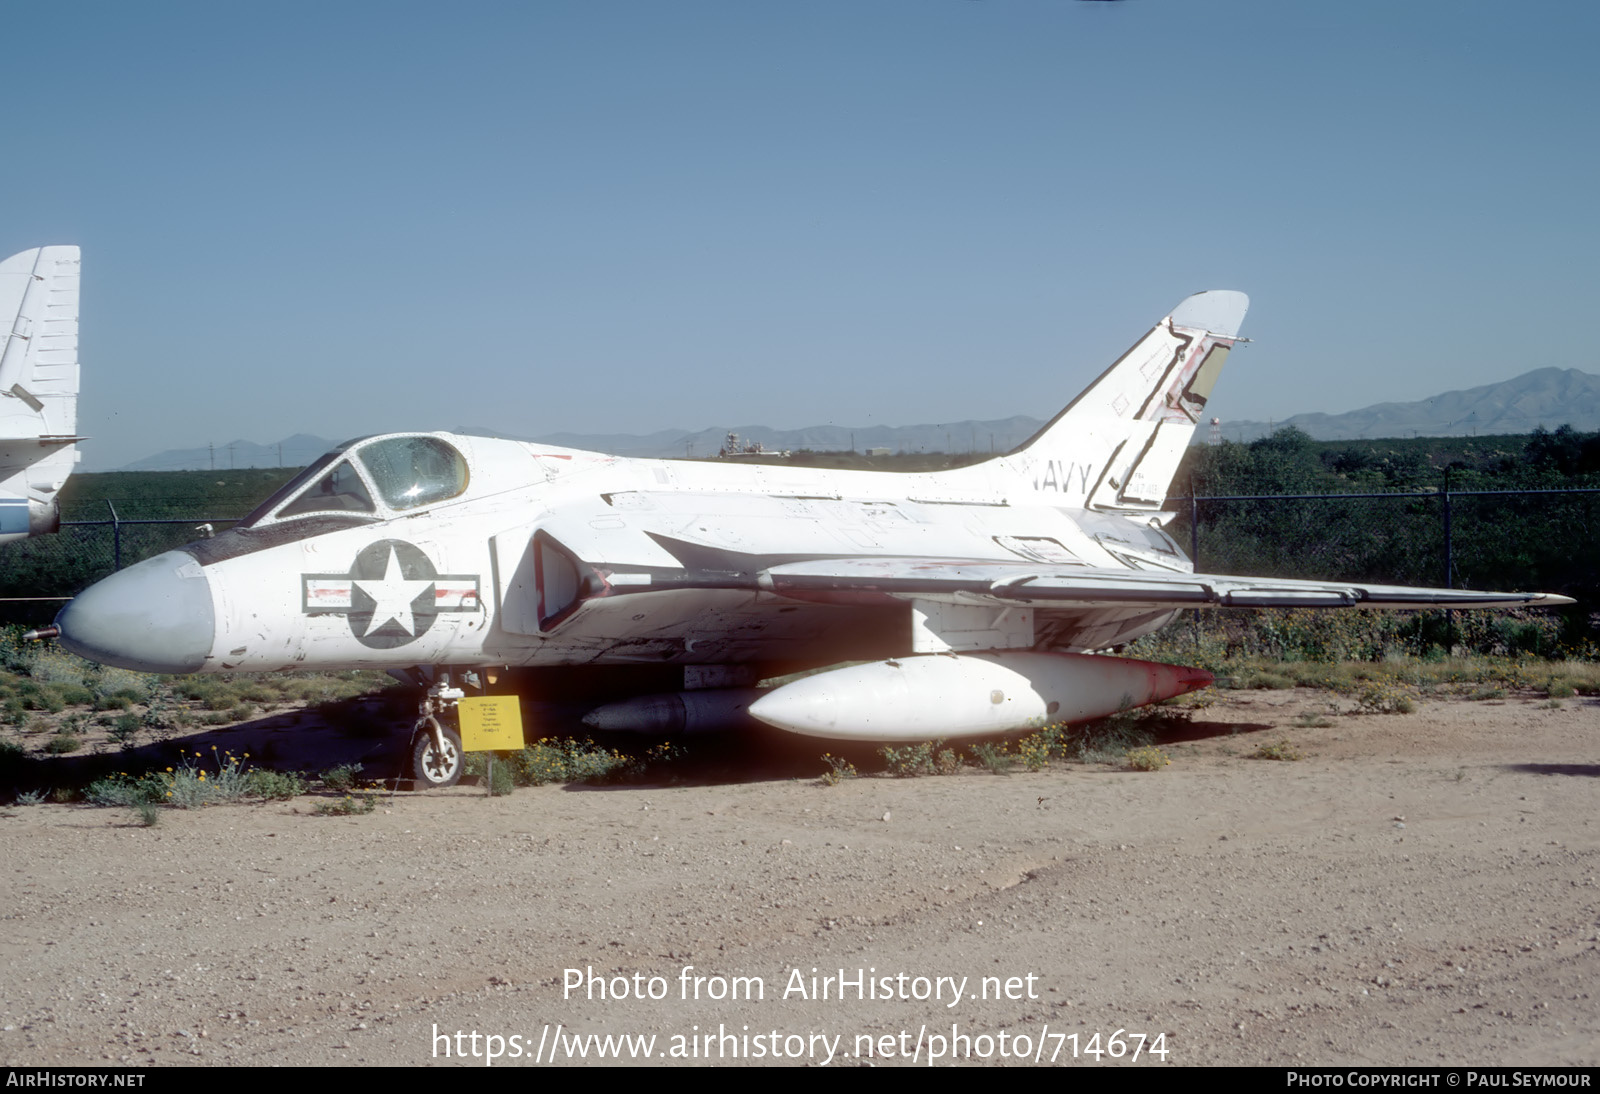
(155, 616)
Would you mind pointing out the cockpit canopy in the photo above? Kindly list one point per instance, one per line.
(367, 477)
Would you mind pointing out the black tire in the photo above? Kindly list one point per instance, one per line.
(429, 768)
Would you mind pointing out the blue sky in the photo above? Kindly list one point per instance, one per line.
(630, 215)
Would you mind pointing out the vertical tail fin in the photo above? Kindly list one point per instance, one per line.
(1117, 446)
(38, 386)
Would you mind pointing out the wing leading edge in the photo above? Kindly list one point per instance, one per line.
(855, 580)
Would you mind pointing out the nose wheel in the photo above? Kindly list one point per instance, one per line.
(436, 757)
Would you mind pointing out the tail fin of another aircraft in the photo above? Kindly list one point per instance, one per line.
(1116, 447)
(38, 387)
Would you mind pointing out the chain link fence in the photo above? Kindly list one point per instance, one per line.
(1531, 540)
(1395, 539)
(40, 574)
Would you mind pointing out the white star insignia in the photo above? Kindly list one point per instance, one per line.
(392, 595)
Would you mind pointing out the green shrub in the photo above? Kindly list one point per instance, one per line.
(136, 687)
(1385, 697)
(75, 695)
(341, 778)
(126, 729)
(42, 697)
(275, 785)
(125, 789)
(187, 785)
(1560, 688)
(1282, 750)
(993, 756)
(349, 805)
(839, 769)
(55, 667)
(550, 760)
(1146, 758)
(1034, 751)
(62, 743)
(911, 761)
(1108, 740)
(1218, 639)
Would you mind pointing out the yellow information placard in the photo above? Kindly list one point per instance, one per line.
(491, 723)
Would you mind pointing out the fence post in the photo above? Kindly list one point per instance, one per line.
(1449, 565)
(1449, 559)
(1194, 556)
(1194, 531)
(116, 538)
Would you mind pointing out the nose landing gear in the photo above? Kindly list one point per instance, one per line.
(436, 756)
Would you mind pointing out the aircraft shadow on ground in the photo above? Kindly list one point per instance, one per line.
(764, 755)
(306, 741)
(1181, 733)
(1586, 770)
(362, 732)
(752, 755)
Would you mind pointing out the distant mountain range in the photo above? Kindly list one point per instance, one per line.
(997, 436)
(1546, 396)
(302, 448)
(295, 451)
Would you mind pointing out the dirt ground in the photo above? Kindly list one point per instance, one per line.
(1419, 889)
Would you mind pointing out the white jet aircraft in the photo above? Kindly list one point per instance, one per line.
(38, 388)
(668, 588)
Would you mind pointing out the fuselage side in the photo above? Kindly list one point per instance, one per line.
(545, 556)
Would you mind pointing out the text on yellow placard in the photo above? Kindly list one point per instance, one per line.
(491, 723)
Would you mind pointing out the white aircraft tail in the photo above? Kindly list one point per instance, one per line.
(38, 387)
(1117, 446)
